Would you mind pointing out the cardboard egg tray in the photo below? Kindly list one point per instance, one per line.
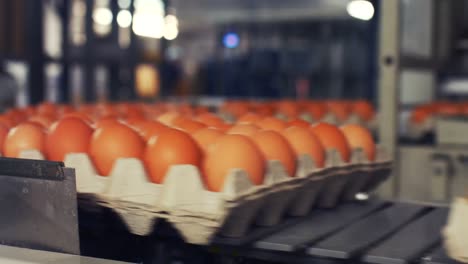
(199, 214)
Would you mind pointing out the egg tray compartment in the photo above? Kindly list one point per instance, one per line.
(199, 214)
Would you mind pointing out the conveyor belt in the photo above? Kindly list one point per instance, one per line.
(375, 232)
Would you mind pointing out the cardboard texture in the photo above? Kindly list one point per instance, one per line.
(456, 231)
(199, 214)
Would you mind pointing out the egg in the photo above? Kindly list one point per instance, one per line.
(360, 137)
(25, 136)
(420, 115)
(168, 117)
(6, 121)
(303, 141)
(363, 109)
(331, 137)
(104, 121)
(3, 134)
(65, 109)
(210, 120)
(68, 135)
(299, 123)
(275, 147)
(43, 120)
(81, 115)
(232, 152)
(16, 115)
(264, 109)
(340, 109)
(448, 109)
(243, 129)
(149, 129)
(188, 125)
(235, 108)
(249, 118)
(47, 108)
(171, 147)
(111, 142)
(206, 137)
(289, 108)
(272, 123)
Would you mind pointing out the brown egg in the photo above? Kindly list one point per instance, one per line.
(149, 129)
(272, 123)
(360, 137)
(168, 117)
(171, 147)
(331, 137)
(275, 147)
(111, 142)
(232, 152)
(3, 134)
(249, 118)
(206, 137)
(243, 129)
(25, 136)
(298, 123)
(68, 135)
(210, 120)
(43, 120)
(363, 109)
(303, 141)
(188, 125)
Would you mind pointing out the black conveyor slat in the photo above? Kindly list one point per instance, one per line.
(255, 233)
(409, 243)
(366, 232)
(316, 226)
(439, 256)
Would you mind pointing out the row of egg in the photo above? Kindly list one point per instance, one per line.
(289, 109)
(423, 112)
(202, 139)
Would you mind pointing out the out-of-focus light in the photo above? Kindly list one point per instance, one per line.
(147, 81)
(231, 40)
(102, 16)
(124, 4)
(171, 20)
(148, 25)
(362, 196)
(171, 27)
(360, 9)
(124, 18)
(171, 32)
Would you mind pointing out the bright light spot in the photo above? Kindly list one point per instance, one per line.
(171, 28)
(148, 25)
(124, 18)
(171, 19)
(362, 196)
(102, 16)
(149, 5)
(231, 40)
(360, 9)
(124, 4)
(170, 32)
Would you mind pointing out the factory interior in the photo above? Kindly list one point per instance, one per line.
(233, 131)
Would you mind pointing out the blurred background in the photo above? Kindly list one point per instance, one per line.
(402, 56)
(72, 50)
